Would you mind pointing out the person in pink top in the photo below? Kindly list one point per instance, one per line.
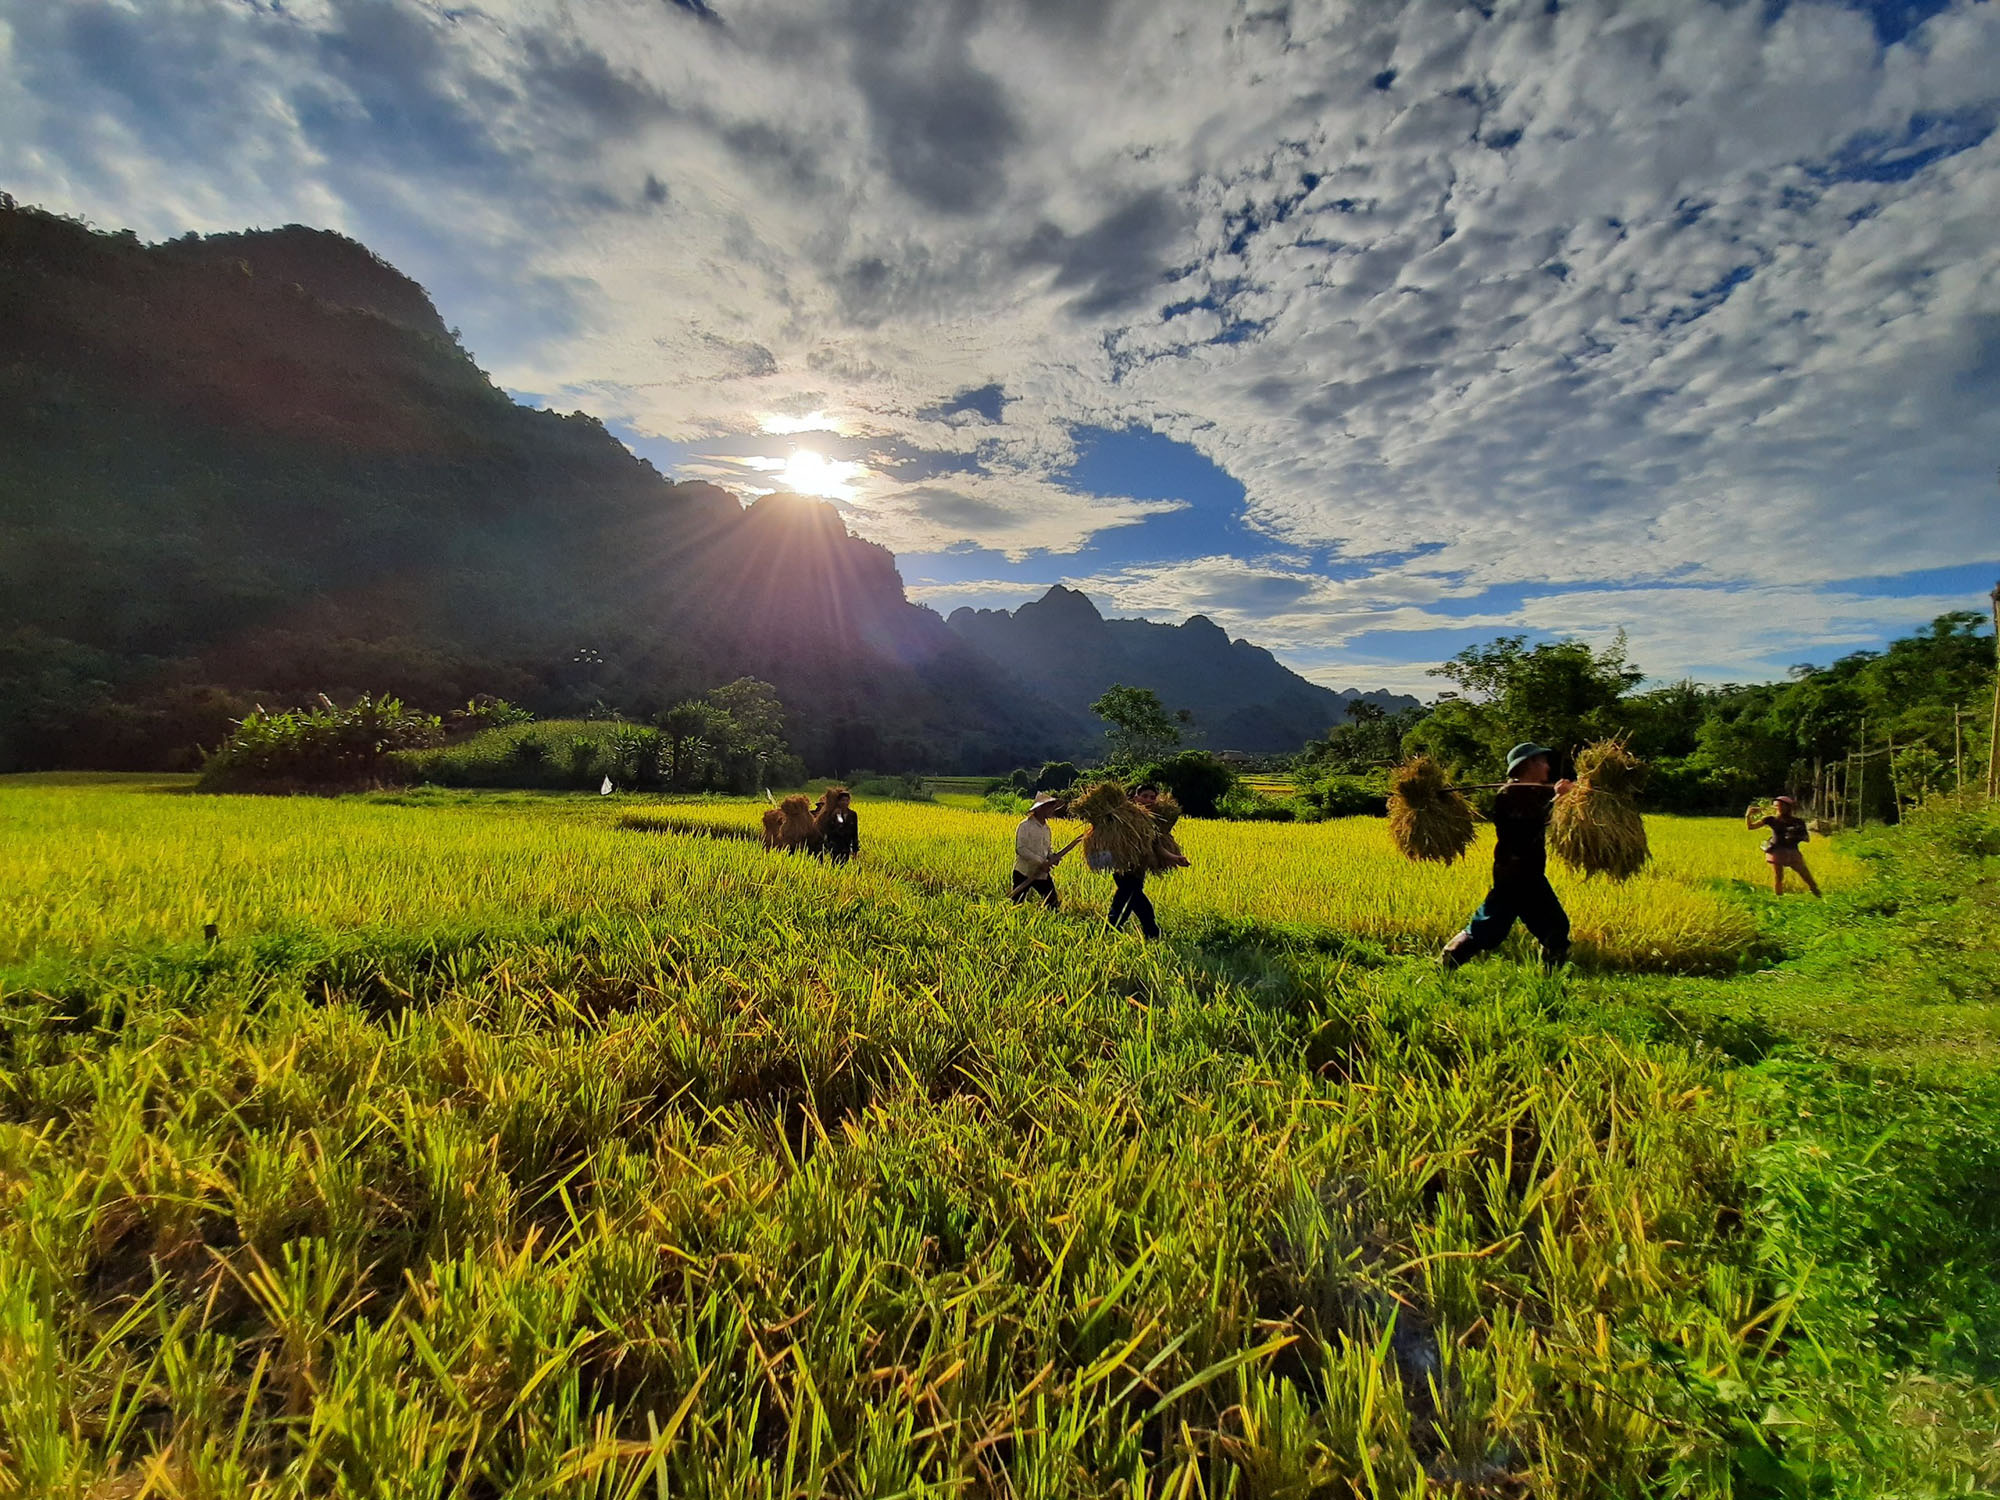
(1781, 849)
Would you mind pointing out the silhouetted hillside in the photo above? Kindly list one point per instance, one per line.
(1241, 696)
(257, 466)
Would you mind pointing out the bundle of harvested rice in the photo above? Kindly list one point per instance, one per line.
(1595, 827)
(1428, 817)
(789, 825)
(1609, 767)
(1122, 833)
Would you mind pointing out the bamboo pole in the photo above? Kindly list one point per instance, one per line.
(1861, 792)
(1957, 758)
(1993, 743)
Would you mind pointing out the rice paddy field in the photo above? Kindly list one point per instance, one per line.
(516, 1144)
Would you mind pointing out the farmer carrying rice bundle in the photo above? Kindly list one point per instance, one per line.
(1131, 837)
(1781, 849)
(839, 830)
(1521, 890)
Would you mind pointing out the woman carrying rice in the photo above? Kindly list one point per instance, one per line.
(1781, 849)
(1129, 897)
(1521, 890)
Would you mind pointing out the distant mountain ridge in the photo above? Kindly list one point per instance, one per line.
(1241, 696)
(258, 466)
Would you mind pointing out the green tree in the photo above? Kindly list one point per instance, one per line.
(1141, 728)
(1370, 739)
(1560, 692)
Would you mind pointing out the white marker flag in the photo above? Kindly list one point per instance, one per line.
(605, 790)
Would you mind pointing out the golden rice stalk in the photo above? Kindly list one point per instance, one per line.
(1428, 817)
(1122, 833)
(1607, 766)
(1595, 827)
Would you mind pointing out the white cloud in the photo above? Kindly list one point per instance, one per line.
(1665, 292)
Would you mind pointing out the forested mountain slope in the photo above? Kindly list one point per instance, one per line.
(259, 465)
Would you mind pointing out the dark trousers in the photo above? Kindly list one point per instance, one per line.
(1129, 899)
(1044, 887)
(1528, 899)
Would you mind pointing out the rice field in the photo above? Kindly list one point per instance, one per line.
(1344, 877)
(494, 1146)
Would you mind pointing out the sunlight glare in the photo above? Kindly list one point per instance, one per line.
(812, 421)
(810, 473)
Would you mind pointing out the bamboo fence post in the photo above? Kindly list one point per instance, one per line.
(1861, 786)
(1957, 758)
(1895, 786)
(1993, 740)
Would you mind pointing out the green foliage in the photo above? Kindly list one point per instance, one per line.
(1141, 729)
(1055, 776)
(326, 747)
(1369, 740)
(1560, 692)
(732, 740)
(1197, 779)
(1928, 696)
(1244, 804)
(484, 711)
(1345, 796)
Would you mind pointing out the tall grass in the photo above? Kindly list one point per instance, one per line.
(496, 1149)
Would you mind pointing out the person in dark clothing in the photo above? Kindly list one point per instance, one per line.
(1128, 887)
(1129, 899)
(1521, 890)
(1781, 849)
(840, 830)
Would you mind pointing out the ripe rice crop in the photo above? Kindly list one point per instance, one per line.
(493, 1147)
(1346, 877)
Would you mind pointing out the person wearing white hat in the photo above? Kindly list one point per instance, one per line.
(1034, 856)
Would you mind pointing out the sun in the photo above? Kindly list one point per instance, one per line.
(810, 473)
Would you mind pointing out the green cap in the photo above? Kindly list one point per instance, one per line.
(1526, 750)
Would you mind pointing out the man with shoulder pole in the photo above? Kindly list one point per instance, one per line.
(1521, 890)
(1035, 857)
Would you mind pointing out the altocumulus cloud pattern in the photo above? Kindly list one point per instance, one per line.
(1562, 315)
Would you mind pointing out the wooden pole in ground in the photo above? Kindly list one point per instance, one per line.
(1957, 758)
(1993, 744)
(1861, 790)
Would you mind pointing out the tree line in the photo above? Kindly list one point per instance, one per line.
(1870, 732)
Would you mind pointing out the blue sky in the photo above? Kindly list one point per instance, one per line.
(1368, 330)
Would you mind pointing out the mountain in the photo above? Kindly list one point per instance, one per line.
(258, 466)
(1242, 697)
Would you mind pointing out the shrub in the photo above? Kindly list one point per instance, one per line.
(488, 712)
(1056, 776)
(1243, 805)
(1344, 797)
(1197, 779)
(321, 747)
